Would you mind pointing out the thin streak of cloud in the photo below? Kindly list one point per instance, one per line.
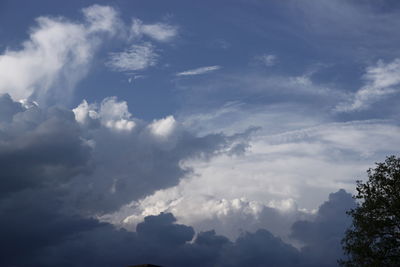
(199, 71)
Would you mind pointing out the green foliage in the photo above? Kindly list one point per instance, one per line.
(374, 237)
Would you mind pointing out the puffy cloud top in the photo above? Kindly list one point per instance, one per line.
(111, 114)
(163, 127)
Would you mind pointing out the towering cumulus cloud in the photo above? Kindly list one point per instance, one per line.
(59, 166)
(134, 158)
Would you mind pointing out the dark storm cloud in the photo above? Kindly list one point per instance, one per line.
(52, 177)
(260, 249)
(38, 147)
(132, 165)
(161, 229)
(33, 220)
(8, 108)
(323, 235)
(274, 220)
(37, 232)
(133, 158)
(47, 147)
(44, 158)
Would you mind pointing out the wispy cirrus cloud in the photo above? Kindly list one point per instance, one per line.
(141, 55)
(161, 32)
(136, 57)
(382, 80)
(198, 71)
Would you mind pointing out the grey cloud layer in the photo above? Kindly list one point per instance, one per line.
(53, 176)
(53, 238)
(103, 161)
(39, 147)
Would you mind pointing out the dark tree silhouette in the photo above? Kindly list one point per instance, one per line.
(374, 237)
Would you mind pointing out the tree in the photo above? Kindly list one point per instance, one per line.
(374, 236)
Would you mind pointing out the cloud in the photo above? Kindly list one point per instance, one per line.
(164, 127)
(85, 112)
(115, 115)
(267, 60)
(356, 24)
(8, 108)
(52, 180)
(322, 236)
(260, 249)
(39, 147)
(66, 172)
(133, 158)
(160, 229)
(141, 55)
(285, 172)
(102, 18)
(55, 236)
(161, 32)
(35, 221)
(101, 153)
(55, 57)
(382, 80)
(112, 114)
(58, 53)
(199, 71)
(220, 43)
(228, 217)
(137, 57)
(257, 88)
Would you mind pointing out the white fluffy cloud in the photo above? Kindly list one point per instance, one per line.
(228, 216)
(381, 80)
(84, 112)
(115, 114)
(163, 127)
(112, 114)
(161, 32)
(136, 57)
(56, 56)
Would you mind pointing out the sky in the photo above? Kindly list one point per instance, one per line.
(191, 133)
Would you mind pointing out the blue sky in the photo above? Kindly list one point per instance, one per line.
(222, 113)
